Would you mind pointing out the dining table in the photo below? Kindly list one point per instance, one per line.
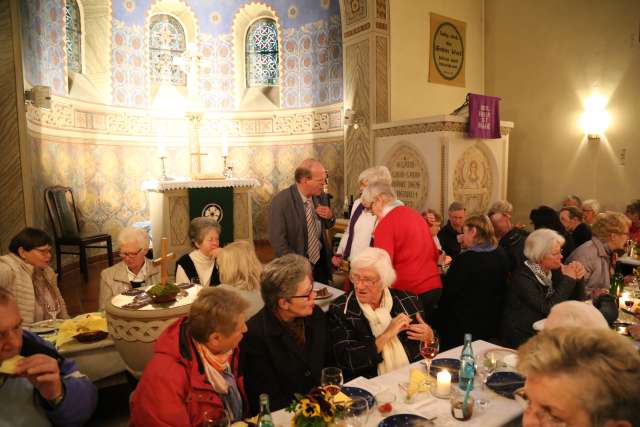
(98, 360)
(499, 411)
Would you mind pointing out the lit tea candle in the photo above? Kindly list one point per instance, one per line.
(443, 383)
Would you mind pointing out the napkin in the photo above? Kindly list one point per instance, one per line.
(90, 322)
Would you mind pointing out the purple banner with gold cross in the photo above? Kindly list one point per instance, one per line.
(484, 116)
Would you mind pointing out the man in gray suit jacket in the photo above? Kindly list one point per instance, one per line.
(298, 217)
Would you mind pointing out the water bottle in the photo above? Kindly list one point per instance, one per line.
(467, 364)
(264, 417)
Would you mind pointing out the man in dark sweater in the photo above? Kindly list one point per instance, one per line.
(511, 238)
(451, 234)
(571, 218)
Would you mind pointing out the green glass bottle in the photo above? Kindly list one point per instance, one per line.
(264, 417)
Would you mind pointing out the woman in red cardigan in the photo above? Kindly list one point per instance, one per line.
(404, 234)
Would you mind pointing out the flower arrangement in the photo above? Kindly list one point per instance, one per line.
(313, 410)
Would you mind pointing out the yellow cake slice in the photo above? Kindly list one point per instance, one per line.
(340, 397)
(418, 382)
(8, 366)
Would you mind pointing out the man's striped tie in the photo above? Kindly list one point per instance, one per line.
(313, 243)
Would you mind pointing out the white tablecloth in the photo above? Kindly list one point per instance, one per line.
(121, 300)
(97, 360)
(499, 412)
(629, 261)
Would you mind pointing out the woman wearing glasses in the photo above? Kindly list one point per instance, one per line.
(25, 272)
(375, 329)
(283, 351)
(135, 269)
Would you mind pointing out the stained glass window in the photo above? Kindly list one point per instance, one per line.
(166, 41)
(261, 54)
(74, 36)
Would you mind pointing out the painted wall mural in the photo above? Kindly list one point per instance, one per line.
(43, 45)
(105, 152)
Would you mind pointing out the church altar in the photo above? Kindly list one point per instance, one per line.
(434, 162)
(169, 205)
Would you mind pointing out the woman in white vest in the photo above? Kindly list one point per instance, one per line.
(25, 272)
(135, 270)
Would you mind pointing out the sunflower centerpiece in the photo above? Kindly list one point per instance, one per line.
(316, 409)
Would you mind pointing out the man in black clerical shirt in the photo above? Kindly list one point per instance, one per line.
(450, 235)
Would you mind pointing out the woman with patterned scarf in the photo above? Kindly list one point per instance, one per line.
(539, 284)
(193, 375)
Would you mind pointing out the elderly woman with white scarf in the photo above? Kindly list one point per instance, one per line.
(374, 329)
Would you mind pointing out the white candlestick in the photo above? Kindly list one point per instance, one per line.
(443, 383)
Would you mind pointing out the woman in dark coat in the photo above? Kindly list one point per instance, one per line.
(539, 284)
(474, 287)
(285, 347)
(374, 329)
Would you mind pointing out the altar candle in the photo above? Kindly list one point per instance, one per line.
(225, 147)
(443, 383)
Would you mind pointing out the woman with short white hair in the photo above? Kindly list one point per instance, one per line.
(539, 284)
(374, 329)
(590, 210)
(357, 235)
(135, 269)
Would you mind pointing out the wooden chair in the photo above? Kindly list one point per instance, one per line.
(66, 227)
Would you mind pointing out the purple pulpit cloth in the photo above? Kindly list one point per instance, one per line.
(484, 116)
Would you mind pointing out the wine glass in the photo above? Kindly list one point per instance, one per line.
(628, 303)
(353, 414)
(53, 308)
(211, 419)
(429, 349)
(331, 379)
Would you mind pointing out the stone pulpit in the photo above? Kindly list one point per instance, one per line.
(174, 203)
(434, 162)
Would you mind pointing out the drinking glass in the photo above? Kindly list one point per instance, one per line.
(331, 379)
(429, 350)
(355, 413)
(53, 308)
(486, 365)
(210, 420)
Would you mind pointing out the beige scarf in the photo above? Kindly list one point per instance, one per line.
(393, 354)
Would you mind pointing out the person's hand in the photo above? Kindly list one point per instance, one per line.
(398, 324)
(574, 269)
(43, 372)
(324, 212)
(420, 331)
(336, 260)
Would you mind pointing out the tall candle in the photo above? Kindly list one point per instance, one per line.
(443, 383)
(225, 147)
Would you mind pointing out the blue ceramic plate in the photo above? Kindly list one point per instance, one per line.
(505, 383)
(404, 420)
(357, 391)
(451, 365)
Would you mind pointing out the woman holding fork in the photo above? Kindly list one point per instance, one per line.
(25, 272)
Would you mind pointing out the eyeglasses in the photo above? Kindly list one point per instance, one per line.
(367, 281)
(307, 295)
(130, 254)
(44, 251)
(545, 418)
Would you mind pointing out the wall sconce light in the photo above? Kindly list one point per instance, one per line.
(39, 96)
(595, 118)
(352, 118)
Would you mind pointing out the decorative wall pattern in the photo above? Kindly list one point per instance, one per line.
(217, 72)
(43, 43)
(358, 147)
(312, 64)
(128, 65)
(355, 10)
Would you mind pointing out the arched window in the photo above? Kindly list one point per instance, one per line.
(166, 41)
(74, 36)
(261, 54)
